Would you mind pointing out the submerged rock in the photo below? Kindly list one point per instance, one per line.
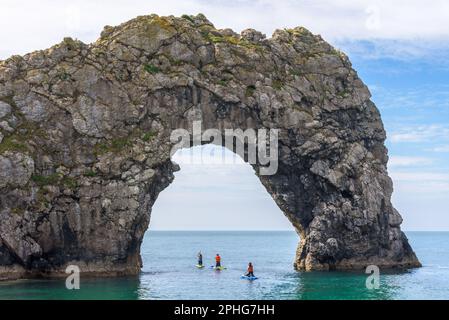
(85, 148)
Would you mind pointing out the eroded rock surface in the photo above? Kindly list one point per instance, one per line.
(85, 150)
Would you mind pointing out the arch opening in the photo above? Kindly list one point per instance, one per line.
(215, 204)
(215, 190)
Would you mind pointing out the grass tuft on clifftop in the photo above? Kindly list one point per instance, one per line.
(187, 17)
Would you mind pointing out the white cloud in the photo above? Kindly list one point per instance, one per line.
(434, 188)
(406, 137)
(210, 155)
(419, 176)
(444, 148)
(423, 185)
(420, 133)
(39, 24)
(422, 198)
(403, 161)
(424, 97)
(434, 51)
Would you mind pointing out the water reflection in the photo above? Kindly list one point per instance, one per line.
(126, 288)
(336, 286)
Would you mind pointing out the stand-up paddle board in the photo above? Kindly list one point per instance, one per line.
(248, 278)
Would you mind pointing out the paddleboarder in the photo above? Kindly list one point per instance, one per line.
(250, 270)
(217, 261)
(200, 259)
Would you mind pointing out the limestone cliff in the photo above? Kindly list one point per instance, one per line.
(84, 143)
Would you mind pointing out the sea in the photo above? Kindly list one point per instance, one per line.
(169, 272)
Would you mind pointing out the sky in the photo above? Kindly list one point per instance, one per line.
(399, 48)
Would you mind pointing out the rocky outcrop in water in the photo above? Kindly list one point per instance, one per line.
(85, 149)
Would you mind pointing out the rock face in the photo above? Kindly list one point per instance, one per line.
(85, 146)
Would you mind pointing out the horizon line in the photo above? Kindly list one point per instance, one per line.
(260, 230)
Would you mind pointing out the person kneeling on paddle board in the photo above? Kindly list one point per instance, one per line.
(200, 259)
(217, 261)
(250, 270)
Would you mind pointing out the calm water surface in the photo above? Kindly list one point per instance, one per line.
(169, 272)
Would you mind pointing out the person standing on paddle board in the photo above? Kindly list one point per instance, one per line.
(200, 259)
(250, 270)
(217, 261)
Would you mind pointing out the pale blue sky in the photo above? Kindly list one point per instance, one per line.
(400, 49)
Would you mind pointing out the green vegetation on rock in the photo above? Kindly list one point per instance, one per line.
(9, 100)
(250, 90)
(54, 179)
(64, 76)
(223, 82)
(69, 182)
(187, 17)
(296, 73)
(149, 135)
(343, 94)
(150, 68)
(218, 38)
(115, 145)
(277, 84)
(25, 132)
(45, 180)
(18, 211)
(90, 174)
(12, 143)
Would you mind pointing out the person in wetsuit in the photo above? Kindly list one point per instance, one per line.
(217, 261)
(250, 270)
(200, 259)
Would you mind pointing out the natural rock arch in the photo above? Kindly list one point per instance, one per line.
(85, 150)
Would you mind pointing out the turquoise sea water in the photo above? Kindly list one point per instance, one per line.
(169, 272)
